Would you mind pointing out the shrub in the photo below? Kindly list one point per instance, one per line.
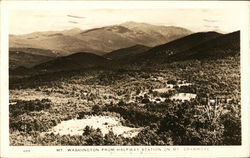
(28, 106)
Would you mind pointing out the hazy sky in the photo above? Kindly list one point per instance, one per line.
(27, 21)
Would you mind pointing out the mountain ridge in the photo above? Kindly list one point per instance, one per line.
(98, 40)
(222, 46)
(187, 47)
(126, 52)
(19, 59)
(74, 61)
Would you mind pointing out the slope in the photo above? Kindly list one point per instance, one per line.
(126, 52)
(162, 53)
(73, 61)
(99, 40)
(220, 47)
(23, 59)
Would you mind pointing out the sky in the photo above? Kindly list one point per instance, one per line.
(196, 20)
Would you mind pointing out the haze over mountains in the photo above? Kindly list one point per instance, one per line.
(125, 44)
(99, 40)
(201, 46)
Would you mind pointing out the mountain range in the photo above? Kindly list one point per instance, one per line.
(166, 51)
(134, 43)
(203, 45)
(99, 40)
(40, 47)
(219, 47)
(199, 46)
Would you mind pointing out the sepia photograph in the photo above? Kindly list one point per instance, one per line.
(125, 76)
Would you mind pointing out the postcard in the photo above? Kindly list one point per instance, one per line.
(125, 79)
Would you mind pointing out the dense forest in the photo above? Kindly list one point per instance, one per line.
(136, 95)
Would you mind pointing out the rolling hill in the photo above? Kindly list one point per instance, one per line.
(163, 52)
(220, 47)
(58, 42)
(204, 45)
(126, 53)
(194, 46)
(36, 51)
(27, 60)
(74, 61)
(99, 40)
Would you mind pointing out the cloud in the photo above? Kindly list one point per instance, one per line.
(195, 19)
(207, 26)
(207, 20)
(74, 22)
(74, 16)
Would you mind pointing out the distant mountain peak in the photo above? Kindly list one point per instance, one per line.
(135, 24)
(75, 29)
(72, 31)
(131, 24)
(99, 40)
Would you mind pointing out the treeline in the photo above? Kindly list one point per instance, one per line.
(169, 123)
(188, 123)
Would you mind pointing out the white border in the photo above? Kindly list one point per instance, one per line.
(175, 151)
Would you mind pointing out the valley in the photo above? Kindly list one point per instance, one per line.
(140, 98)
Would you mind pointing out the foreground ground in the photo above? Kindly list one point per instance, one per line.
(183, 103)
